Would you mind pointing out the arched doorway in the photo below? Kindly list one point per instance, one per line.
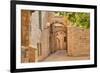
(60, 40)
(58, 37)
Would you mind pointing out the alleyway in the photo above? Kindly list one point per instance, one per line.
(61, 55)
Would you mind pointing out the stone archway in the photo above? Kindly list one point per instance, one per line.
(60, 40)
(58, 36)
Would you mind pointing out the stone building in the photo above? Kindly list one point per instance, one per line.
(43, 33)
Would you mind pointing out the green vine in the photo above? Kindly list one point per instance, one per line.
(79, 19)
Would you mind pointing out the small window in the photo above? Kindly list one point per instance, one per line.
(65, 39)
(39, 48)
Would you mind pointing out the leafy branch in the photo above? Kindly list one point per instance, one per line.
(79, 19)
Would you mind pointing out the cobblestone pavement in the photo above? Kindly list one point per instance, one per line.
(61, 55)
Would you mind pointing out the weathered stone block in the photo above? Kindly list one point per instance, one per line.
(78, 41)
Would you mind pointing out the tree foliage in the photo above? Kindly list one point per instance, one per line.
(79, 19)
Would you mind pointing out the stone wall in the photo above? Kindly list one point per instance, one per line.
(44, 44)
(44, 40)
(78, 40)
(35, 32)
(25, 20)
(27, 54)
